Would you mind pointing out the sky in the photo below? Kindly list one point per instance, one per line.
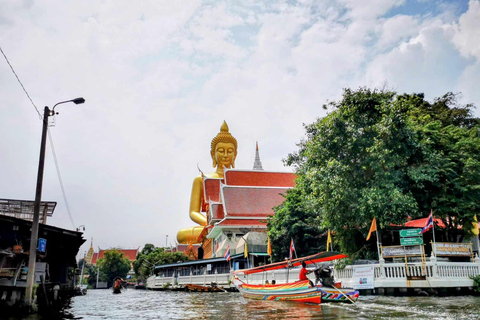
(160, 77)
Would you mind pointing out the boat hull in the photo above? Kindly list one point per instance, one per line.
(338, 295)
(299, 291)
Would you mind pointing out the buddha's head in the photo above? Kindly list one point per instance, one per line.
(224, 148)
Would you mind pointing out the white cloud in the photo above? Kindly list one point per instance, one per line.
(159, 79)
(468, 31)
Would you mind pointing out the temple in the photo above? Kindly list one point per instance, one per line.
(232, 206)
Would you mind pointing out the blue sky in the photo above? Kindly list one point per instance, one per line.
(160, 77)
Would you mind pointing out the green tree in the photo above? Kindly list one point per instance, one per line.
(148, 258)
(112, 265)
(380, 155)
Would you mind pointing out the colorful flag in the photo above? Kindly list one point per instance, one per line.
(245, 254)
(475, 226)
(292, 248)
(329, 241)
(227, 254)
(428, 223)
(269, 247)
(373, 227)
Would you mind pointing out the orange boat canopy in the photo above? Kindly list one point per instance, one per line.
(315, 258)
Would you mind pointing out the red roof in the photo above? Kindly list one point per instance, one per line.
(259, 178)
(211, 189)
(217, 211)
(131, 254)
(420, 223)
(252, 201)
(243, 222)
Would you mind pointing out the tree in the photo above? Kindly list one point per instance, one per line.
(150, 256)
(113, 265)
(377, 154)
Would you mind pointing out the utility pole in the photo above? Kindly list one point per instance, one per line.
(36, 208)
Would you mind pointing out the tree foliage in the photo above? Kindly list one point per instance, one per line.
(379, 154)
(151, 256)
(113, 265)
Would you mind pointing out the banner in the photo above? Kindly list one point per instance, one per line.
(453, 249)
(363, 277)
(401, 251)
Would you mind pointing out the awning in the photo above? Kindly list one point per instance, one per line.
(313, 259)
(222, 247)
(420, 223)
(256, 242)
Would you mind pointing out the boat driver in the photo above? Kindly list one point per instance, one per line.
(304, 272)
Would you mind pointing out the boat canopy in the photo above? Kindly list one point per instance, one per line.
(315, 258)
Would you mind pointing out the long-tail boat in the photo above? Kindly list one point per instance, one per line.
(299, 291)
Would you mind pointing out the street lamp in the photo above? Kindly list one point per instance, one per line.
(152, 264)
(38, 195)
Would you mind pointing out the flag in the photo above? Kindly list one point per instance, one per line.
(245, 254)
(475, 226)
(269, 247)
(373, 227)
(329, 241)
(428, 223)
(292, 248)
(227, 254)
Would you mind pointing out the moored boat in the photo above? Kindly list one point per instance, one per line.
(299, 291)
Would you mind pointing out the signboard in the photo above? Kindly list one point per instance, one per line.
(401, 251)
(452, 249)
(42, 245)
(405, 233)
(411, 241)
(363, 277)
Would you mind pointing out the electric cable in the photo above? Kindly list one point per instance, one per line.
(18, 79)
(60, 178)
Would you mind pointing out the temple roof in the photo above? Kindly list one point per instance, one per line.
(130, 254)
(259, 178)
(251, 201)
(211, 189)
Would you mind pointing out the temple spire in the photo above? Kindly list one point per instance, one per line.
(257, 165)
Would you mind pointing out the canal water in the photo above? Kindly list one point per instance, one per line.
(141, 304)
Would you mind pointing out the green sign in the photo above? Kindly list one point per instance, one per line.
(411, 241)
(405, 233)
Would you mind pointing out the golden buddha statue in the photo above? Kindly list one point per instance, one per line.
(223, 152)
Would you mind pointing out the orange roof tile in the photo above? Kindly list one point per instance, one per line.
(259, 178)
(244, 222)
(251, 201)
(130, 254)
(211, 189)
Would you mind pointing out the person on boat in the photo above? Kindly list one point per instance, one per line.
(266, 282)
(273, 281)
(304, 272)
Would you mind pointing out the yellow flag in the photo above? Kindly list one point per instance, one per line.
(373, 227)
(329, 241)
(269, 247)
(245, 254)
(475, 226)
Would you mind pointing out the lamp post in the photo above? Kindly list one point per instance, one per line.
(152, 265)
(38, 195)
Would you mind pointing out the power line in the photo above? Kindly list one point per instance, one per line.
(60, 178)
(21, 83)
(51, 142)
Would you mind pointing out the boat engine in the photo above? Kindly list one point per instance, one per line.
(324, 276)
